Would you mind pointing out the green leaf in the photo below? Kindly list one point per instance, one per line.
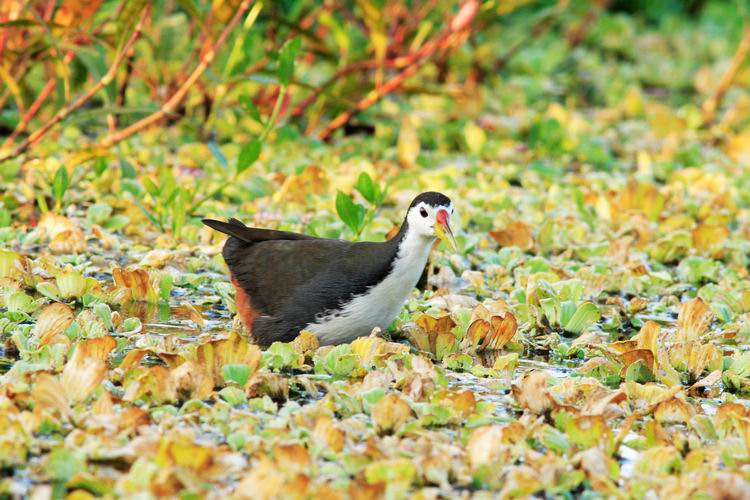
(367, 187)
(339, 361)
(249, 154)
(63, 464)
(100, 166)
(216, 152)
(60, 184)
(555, 440)
(233, 395)
(247, 105)
(586, 315)
(165, 287)
(639, 372)
(151, 188)
(281, 356)
(352, 214)
(237, 374)
(286, 60)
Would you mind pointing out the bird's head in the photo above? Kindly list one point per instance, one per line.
(430, 215)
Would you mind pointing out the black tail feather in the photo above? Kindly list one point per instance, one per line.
(252, 234)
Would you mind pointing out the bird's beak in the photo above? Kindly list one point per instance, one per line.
(443, 229)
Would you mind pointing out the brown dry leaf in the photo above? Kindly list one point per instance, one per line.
(727, 486)
(709, 380)
(728, 412)
(515, 234)
(532, 394)
(608, 405)
(693, 319)
(630, 357)
(263, 482)
(52, 322)
(212, 356)
(190, 312)
(292, 458)
(273, 385)
(48, 392)
(86, 370)
(492, 334)
(434, 335)
(63, 234)
(390, 413)
(192, 378)
(675, 410)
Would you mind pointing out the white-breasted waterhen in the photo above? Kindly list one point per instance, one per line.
(339, 290)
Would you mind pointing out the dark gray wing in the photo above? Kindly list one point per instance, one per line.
(290, 281)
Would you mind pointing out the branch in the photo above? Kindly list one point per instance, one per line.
(458, 26)
(35, 106)
(208, 54)
(712, 103)
(67, 110)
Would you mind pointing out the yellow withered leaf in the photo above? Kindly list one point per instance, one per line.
(486, 446)
(154, 382)
(430, 324)
(52, 322)
(408, 146)
(390, 413)
(693, 319)
(63, 234)
(648, 336)
(84, 372)
(586, 431)
(48, 392)
(709, 239)
(492, 334)
(327, 435)
(462, 402)
(212, 356)
(297, 187)
(516, 234)
(306, 343)
(134, 285)
(180, 450)
(264, 481)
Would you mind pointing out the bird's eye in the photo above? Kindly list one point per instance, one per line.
(423, 212)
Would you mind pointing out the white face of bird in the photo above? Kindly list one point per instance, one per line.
(433, 221)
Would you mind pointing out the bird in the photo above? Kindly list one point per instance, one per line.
(339, 290)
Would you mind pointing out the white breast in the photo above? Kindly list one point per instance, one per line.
(380, 304)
